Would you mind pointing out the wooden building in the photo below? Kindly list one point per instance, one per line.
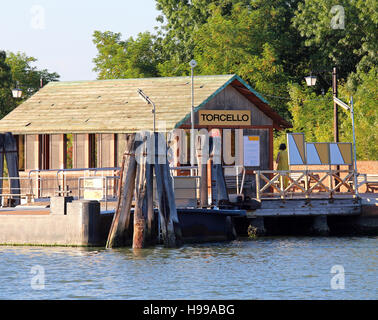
(83, 124)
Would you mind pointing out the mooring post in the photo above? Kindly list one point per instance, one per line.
(140, 225)
(170, 226)
(120, 229)
(148, 205)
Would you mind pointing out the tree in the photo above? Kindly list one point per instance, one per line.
(365, 99)
(234, 44)
(7, 102)
(124, 59)
(27, 76)
(181, 19)
(343, 36)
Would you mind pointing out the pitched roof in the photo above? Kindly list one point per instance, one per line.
(113, 106)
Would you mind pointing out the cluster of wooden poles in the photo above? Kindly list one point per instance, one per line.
(137, 176)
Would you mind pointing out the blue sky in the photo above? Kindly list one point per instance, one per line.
(59, 32)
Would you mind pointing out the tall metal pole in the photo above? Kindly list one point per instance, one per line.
(192, 64)
(154, 112)
(192, 123)
(354, 146)
(335, 109)
(335, 115)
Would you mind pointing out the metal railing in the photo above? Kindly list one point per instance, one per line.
(186, 186)
(304, 183)
(47, 183)
(80, 183)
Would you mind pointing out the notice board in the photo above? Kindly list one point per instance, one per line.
(251, 151)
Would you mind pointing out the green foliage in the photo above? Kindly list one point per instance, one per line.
(271, 44)
(28, 77)
(233, 44)
(124, 59)
(352, 47)
(366, 116)
(16, 70)
(7, 103)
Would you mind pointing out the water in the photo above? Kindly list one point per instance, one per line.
(267, 268)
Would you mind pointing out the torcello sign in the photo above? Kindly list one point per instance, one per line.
(224, 117)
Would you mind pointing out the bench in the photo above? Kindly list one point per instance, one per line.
(371, 181)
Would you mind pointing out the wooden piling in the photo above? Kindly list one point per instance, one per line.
(170, 226)
(148, 206)
(120, 228)
(201, 151)
(140, 226)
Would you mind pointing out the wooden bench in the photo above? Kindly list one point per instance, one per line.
(371, 181)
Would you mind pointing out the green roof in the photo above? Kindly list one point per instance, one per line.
(114, 106)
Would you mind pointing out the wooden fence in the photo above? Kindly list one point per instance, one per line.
(304, 183)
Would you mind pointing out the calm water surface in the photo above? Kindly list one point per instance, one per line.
(268, 268)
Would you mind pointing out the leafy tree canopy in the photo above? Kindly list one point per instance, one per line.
(273, 45)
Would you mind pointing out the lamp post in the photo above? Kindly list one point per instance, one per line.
(311, 81)
(192, 65)
(149, 101)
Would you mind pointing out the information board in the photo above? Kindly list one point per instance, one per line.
(251, 151)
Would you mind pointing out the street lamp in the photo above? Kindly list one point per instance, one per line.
(149, 101)
(311, 81)
(17, 92)
(192, 65)
(350, 109)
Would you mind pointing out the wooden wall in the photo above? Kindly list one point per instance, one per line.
(31, 152)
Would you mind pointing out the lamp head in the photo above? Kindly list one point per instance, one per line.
(310, 80)
(193, 63)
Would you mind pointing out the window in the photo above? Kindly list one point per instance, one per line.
(44, 151)
(69, 151)
(92, 151)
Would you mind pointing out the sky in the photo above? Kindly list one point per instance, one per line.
(59, 32)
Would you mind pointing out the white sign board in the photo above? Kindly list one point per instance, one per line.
(251, 151)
